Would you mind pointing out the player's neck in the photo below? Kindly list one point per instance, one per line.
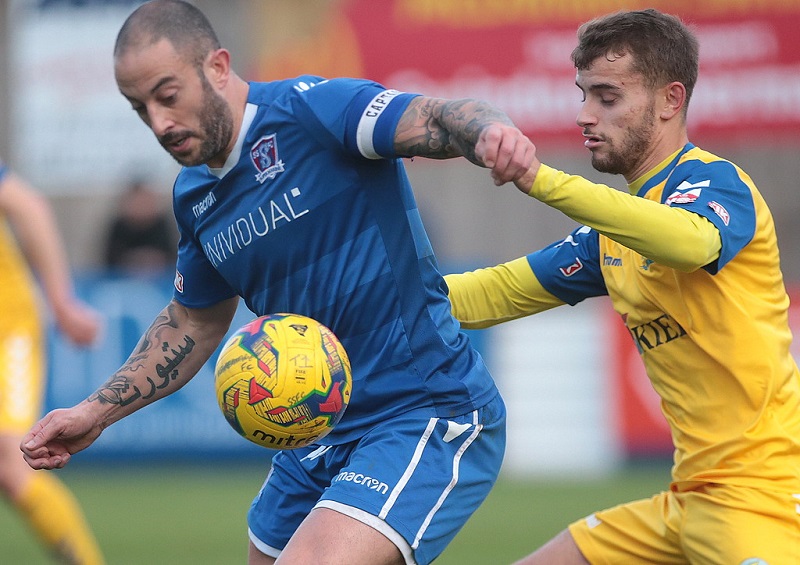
(237, 101)
(662, 148)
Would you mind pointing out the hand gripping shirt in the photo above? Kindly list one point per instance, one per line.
(716, 341)
(313, 214)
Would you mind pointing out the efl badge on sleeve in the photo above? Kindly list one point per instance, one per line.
(264, 154)
(178, 281)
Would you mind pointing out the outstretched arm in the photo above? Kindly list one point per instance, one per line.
(37, 231)
(674, 237)
(490, 296)
(177, 344)
(442, 129)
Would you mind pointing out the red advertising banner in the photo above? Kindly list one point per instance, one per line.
(516, 54)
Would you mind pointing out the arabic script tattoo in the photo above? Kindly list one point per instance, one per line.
(119, 388)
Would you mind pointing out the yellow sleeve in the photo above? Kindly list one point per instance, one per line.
(486, 297)
(670, 236)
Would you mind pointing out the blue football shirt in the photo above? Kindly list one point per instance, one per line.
(313, 214)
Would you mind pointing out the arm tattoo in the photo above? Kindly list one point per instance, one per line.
(441, 129)
(119, 388)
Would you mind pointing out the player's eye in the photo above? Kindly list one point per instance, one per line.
(169, 100)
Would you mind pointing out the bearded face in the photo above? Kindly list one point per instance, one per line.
(213, 133)
(624, 151)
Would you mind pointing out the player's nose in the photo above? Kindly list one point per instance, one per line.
(159, 120)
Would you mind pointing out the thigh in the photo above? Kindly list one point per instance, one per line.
(730, 524)
(644, 531)
(21, 375)
(341, 539)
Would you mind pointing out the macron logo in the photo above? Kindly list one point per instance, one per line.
(361, 479)
(204, 204)
(454, 430)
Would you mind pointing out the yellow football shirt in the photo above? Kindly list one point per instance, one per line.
(714, 340)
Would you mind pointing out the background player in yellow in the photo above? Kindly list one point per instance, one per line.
(690, 261)
(31, 252)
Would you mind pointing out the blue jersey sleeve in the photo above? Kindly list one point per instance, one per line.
(359, 114)
(197, 283)
(570, 269)
(717, 192)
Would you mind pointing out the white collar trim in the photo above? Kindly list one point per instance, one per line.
(233, 158)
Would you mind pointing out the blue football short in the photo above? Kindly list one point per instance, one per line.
(416, 480)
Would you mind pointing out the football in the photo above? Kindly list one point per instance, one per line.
(283, 381)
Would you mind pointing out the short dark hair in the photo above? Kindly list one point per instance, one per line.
(179, 22)
(664, 49)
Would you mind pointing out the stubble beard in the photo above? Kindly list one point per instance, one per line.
(216, 127)
(635, 144)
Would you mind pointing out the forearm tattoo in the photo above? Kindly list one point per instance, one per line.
(119, 388)
(441, 129)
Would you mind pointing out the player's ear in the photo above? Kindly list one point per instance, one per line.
(673, 101)
(217, 67)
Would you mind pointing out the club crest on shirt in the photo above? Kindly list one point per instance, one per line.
(264, 155)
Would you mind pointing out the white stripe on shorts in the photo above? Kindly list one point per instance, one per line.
(453, 480)
(264, 548)
(409, 470)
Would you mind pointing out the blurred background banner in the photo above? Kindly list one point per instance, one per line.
(64, 125)
(516, 54)
(66, 110)
(73, 132)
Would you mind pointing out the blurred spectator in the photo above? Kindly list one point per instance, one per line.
(142, 234)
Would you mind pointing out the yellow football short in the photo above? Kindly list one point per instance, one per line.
(21, 373)
(710, 524)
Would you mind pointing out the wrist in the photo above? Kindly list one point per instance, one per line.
(527, 181)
